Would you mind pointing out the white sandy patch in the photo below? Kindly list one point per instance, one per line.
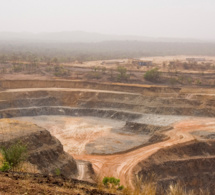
(75, 132)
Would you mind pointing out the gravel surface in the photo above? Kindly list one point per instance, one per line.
(161, 120)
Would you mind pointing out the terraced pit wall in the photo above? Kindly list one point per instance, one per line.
(103, 96)
(191, 163)
(125, 102)
(17, 84)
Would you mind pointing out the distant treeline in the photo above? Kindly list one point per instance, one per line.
(69, 52)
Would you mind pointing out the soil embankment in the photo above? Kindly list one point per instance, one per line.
(191, 164)
(45, 152)
(34, 184)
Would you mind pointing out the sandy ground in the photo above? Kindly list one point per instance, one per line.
(89, 135)
(92, 135)
(21, 76)
(121, 165)
(155, 59)
(70, 89)
(161, 120)
(118, 165)
(75, 132)
(161, 59)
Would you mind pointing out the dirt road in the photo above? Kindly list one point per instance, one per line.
(121, 165)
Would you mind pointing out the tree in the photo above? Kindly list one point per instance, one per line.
(122, 73)
(61, 71)
(152, 75)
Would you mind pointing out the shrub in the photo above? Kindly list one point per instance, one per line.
(120, 187)
(112, 182)
(122, 73)
(152, 75)
(13, 155)
(57, 171)
(5, 167)
(61, 71)
(105, 181)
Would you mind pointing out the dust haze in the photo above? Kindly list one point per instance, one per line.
(107, 97)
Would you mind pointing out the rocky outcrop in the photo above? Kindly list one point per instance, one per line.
(140, 128)
(44, 151)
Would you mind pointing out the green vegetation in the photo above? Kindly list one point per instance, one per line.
(13, 155)
(60, 71)
(147, 186)
(57, 171)
(61, 52)
(152, 75)
(112, 182)
(5, 167)
(96, 73)
(122, 73)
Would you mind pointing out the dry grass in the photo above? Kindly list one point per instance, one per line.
(176, 189)
(21, 183)
(14, 183)
(148, 186)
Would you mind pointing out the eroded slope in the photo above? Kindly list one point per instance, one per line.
(45, 152)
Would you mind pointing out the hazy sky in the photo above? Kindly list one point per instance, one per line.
(154, 18)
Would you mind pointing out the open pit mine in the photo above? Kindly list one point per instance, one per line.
(91, 130)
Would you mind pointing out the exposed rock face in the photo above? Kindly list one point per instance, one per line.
(44, 150)
(15, 84)
(191, 163)
(134, 98)
(56, 110)
(139, 128)
(128, 138)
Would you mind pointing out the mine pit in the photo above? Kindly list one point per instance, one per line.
(75, 133)
(94, 135)
(113, 130)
